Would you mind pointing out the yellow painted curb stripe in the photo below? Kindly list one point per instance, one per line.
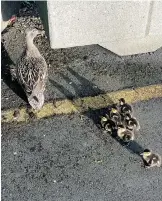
(83, 104)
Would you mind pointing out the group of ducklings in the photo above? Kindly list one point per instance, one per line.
(120, 122)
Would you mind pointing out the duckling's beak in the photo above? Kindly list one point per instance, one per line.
(141, 154)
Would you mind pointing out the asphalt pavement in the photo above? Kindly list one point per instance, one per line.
(67, 158)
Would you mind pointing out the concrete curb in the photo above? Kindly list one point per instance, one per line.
(81, 105)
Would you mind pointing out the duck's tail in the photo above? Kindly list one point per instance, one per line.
(36, 101)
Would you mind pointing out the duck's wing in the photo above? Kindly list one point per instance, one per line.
(32, 72)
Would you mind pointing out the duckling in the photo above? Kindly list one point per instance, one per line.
(125, 108)
(151, 159)
(32, 71)
(131, 122)
(115, 115)
(103, 121)
(107, 124)
(125, 134)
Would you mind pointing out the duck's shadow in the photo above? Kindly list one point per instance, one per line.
(6, 65)
(92, 114)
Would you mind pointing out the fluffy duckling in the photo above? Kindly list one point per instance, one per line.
(125, 108)
(125, 134)
(107, 124)
(103, 121)
(32, 71)
(151, 159)
(131, 122)
(115, 115)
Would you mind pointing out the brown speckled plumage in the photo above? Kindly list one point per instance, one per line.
(32, 71)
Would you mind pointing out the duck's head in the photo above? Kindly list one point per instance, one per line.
(121, 101)
(32, 33)
(146, 153)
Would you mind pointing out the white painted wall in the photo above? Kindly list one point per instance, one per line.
(125, 27)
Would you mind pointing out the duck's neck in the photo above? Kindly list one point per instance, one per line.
(31, 48)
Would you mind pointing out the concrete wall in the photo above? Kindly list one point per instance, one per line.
(124, 27)
(9, 8)
(43, 12)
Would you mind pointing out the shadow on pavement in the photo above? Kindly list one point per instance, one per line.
(6, 65)
(95, 115)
